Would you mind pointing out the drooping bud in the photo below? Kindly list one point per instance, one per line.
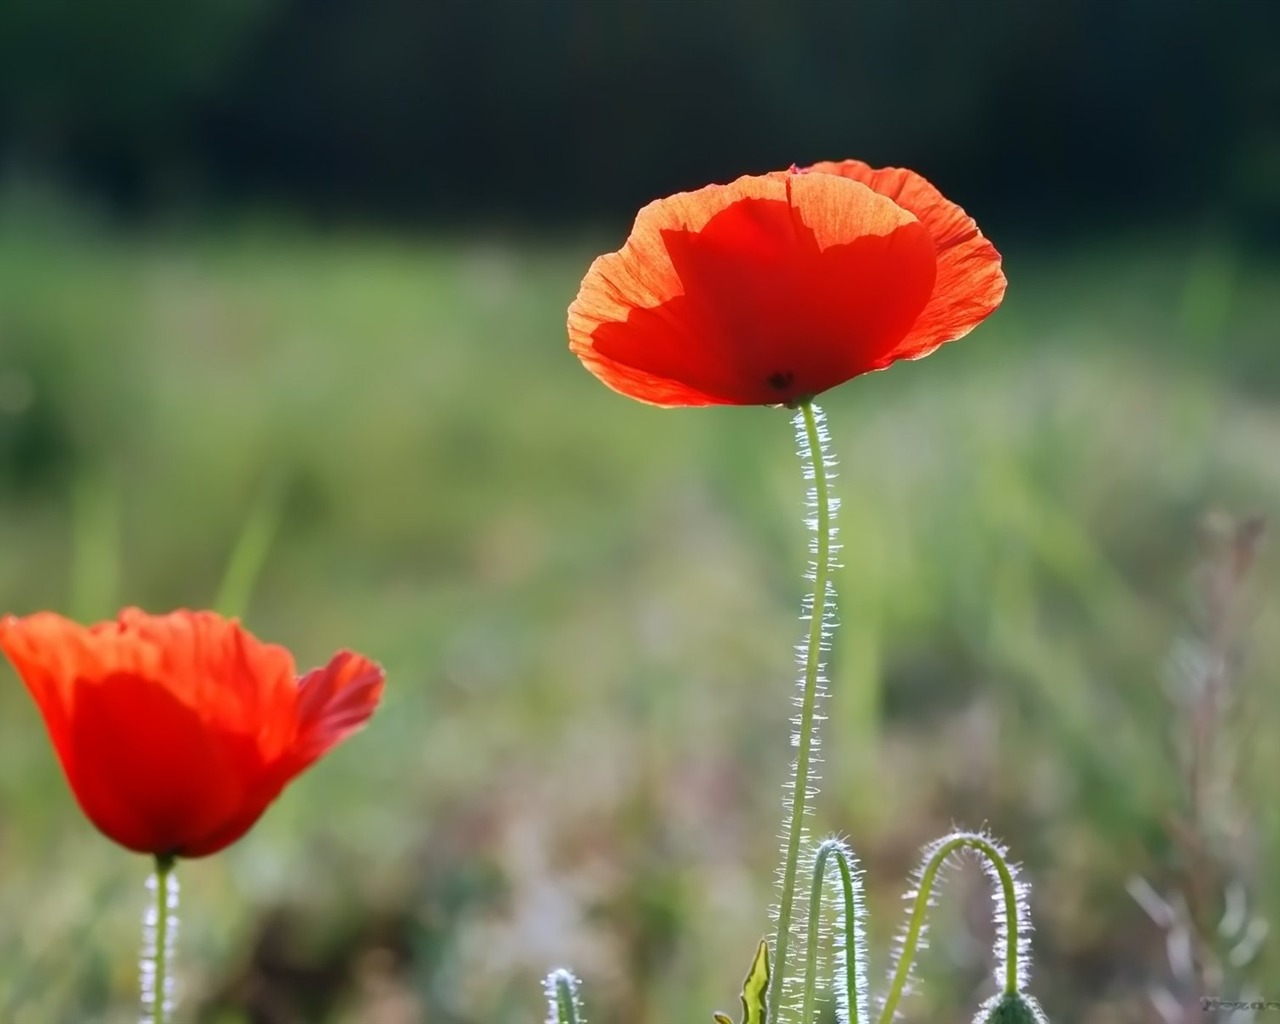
(1011, 1008)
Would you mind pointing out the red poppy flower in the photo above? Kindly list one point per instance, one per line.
(777, 287)
(176, 731)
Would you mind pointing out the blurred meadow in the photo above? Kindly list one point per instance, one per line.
(362, 433)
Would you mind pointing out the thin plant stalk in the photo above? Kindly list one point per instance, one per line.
(564, 1005)
(813, 450)
(159, 932)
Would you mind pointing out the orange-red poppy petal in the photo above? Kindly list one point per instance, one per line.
(765, 291)
(176, 732)
(970, 281)
(211, 663)
(334, 702)
(149, 773)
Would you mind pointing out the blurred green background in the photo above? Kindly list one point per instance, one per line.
(282, 289)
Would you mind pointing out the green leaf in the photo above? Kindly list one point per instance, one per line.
(754, 987)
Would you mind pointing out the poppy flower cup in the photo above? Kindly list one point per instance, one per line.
(777, 287)
(177, 731)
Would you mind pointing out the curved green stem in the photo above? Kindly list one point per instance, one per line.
(935, 857)
(807, 422)
(852, 977)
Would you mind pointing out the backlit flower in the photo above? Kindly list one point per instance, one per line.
(777, 287)
(177, 731)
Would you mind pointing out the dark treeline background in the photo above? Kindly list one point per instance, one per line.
(1037, 111)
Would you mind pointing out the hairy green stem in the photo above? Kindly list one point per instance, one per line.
(157, 943)
(563, 1005)
(852, 993)
(937, 857)
(805, 731)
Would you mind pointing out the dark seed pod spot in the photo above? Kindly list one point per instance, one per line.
(780, 380)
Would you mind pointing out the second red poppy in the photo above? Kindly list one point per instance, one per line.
(177, 731)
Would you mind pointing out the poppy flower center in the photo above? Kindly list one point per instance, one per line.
(780, 380)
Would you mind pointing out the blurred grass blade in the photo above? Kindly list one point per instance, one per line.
(1208, 294)
(249, 555)
(95, 546)
(754, 988)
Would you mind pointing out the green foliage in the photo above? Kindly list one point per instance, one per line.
(755, 987)
(555, 578)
